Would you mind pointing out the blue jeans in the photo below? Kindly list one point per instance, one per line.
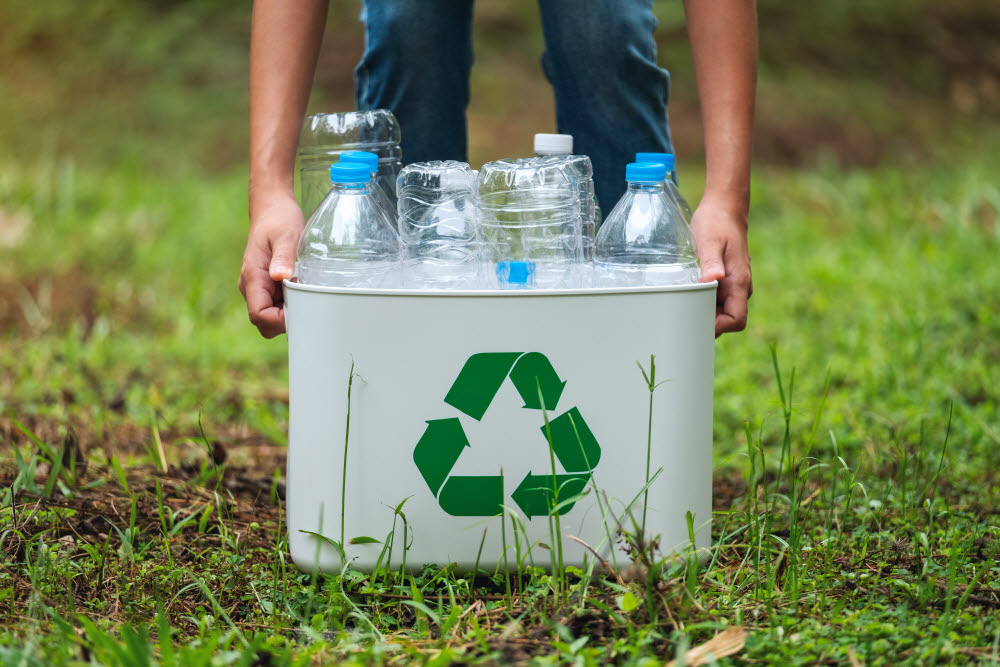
(600, 57)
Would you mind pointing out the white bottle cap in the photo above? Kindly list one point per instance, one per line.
(553, 144)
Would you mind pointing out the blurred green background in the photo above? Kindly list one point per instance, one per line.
(123, 200)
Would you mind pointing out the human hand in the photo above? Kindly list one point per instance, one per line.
(275, 227)
(720, 233)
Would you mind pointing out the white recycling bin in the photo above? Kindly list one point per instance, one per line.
(446, 415)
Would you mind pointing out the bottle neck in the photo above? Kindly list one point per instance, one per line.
(645, 187)
(349, 188)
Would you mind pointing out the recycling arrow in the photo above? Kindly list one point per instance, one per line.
(539, 386)
(479, 381)
(533, 375)
(472, 495)
(535, 496)
(573, 443)
(438, 450)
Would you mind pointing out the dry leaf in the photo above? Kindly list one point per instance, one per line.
(728, 642)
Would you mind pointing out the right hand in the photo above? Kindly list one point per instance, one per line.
(720, 233)
(275, 227)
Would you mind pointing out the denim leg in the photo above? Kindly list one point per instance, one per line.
(417, 58)
(600, 57)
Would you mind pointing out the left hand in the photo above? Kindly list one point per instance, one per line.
(720, 232)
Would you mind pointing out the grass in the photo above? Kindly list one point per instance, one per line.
(856, 437)
(143, 421)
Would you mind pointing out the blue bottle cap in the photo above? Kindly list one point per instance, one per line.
(666, 159)
(517, 273)
(350, 172)
(645, 172)
(363, 157)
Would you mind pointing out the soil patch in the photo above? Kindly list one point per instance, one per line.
(39, 303)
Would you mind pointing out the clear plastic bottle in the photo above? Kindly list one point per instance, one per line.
(529, 216)
(349, 241)
(667, 160)
(438, 226)
(645, 241)
(325, 136)
(371, 161)
(560, 147)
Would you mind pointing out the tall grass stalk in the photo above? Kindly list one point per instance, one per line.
(479, 556)
(280, 578)
(930, 485)
(597, 494)
(503, 542)
(787, 467)
(347, 438)
(650, 379)
(518, 562)
(402, 566)
(554, 512)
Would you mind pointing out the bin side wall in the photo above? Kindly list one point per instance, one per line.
(407, 352)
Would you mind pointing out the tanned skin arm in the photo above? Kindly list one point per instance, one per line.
(285, 37)
(723, 35)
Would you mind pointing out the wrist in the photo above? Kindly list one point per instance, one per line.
(266, 193)
(272, 167)
(734, 203)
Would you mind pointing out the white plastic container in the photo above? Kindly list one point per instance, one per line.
(413, 350)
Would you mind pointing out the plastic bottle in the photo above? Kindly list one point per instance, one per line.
(529, 216)
(560, 146)
(438, 226)
(371, 161)
(325, 136)
(349, 241)
(645, 240)
(667, 160)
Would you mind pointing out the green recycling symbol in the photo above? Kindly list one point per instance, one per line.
(444, 440)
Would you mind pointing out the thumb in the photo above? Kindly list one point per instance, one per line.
(283, 257)
(712, 266)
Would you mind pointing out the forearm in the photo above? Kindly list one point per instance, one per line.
(723, 36)
(284, 45)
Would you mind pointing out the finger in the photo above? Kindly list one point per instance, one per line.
(283, 252)
(263, 304)
(731, 313)
(276, 329)
(270, 321)
(712, 267)
(255, 263)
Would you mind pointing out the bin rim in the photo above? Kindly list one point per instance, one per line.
(582, 291)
